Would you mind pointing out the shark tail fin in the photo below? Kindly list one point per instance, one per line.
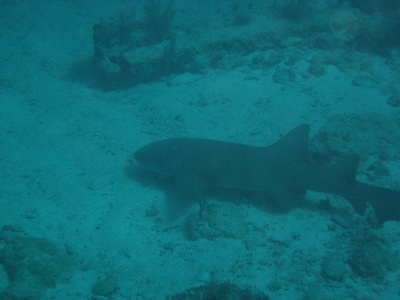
(386, 202)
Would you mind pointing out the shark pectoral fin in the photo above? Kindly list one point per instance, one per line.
(196, 185)
(190, 182)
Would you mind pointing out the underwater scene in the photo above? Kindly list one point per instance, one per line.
(200, 150)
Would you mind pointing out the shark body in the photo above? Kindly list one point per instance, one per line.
(283, 168)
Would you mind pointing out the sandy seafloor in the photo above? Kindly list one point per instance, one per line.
(66, 149)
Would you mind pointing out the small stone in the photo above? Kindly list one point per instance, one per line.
(317, 66)
(151, 211)
(274, 285)
(217, 221)
(4, 281)
(333, 268)
(105, 287)
(394, 100)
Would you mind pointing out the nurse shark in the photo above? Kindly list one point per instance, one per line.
(282, 169)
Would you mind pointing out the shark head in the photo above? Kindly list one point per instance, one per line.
(161, 157)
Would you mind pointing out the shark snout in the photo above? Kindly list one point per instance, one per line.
(146, 156)
(139, 156)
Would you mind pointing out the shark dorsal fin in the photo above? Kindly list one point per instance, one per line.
(294, 145)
